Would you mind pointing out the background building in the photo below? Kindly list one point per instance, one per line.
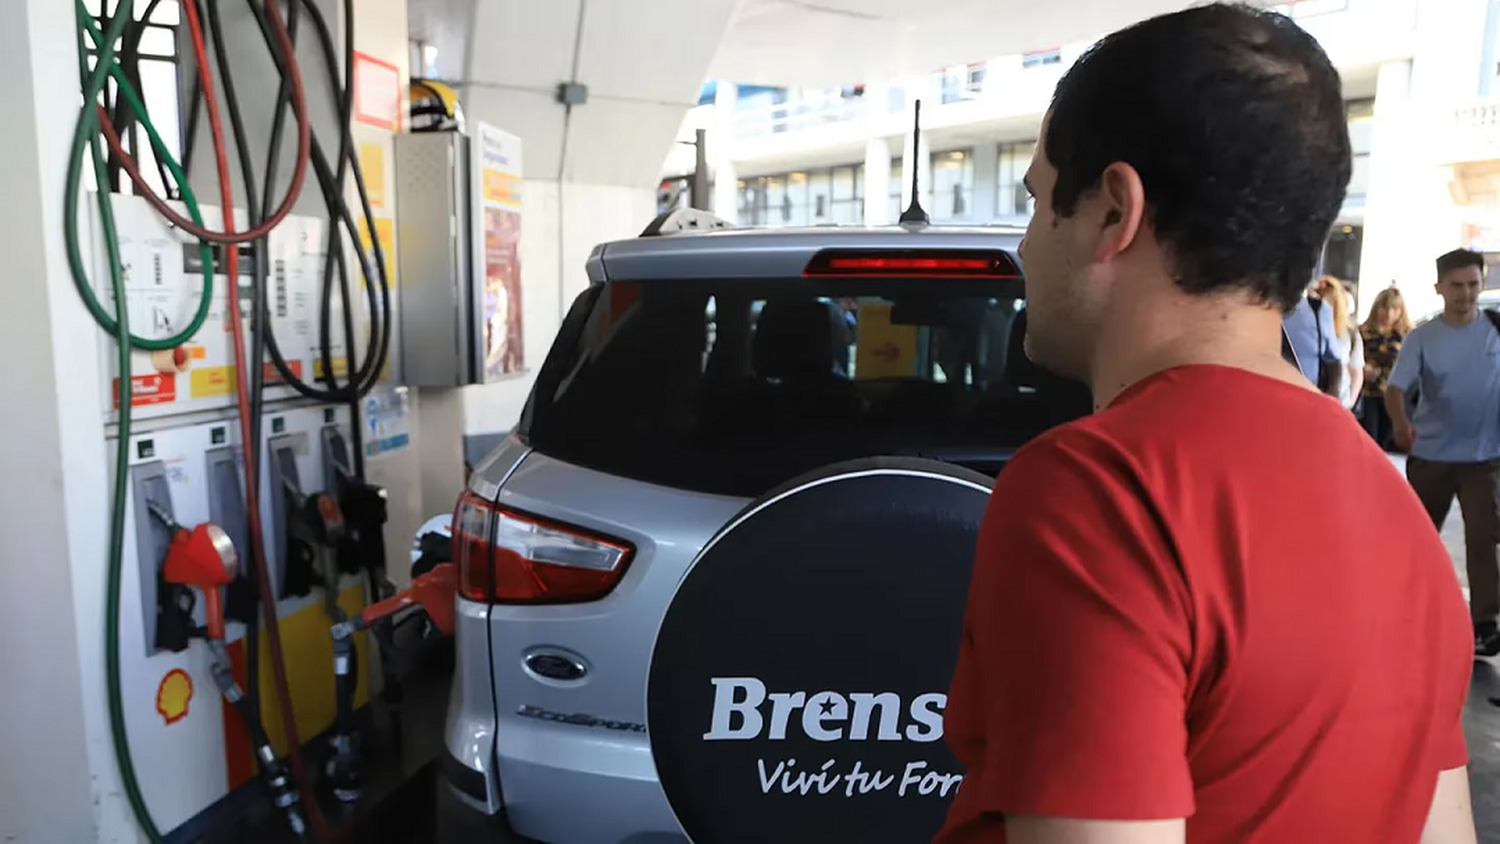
(1421, 83)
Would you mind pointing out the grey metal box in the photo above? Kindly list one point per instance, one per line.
(441, 303)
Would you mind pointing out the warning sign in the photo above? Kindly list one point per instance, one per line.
(173, 695)
(147, 389)
(884, 350)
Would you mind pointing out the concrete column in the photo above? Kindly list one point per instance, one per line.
(720, 140)
(1387, 211)
(982, 204)
(877, 186)
(57, 782)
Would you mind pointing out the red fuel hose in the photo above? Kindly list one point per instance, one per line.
(242, 373)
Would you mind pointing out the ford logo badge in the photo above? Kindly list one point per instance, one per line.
(556, 665)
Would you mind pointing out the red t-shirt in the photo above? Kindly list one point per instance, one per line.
(1216, 599)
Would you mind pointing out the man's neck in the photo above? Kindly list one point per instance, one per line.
(1223, 331)
(1460, 318)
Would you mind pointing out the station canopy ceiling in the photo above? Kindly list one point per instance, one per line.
(812, 43)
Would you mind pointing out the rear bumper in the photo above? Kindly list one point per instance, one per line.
(563, 782)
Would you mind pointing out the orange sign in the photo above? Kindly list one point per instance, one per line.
(148, 389)
(173, 695)
(271, 375)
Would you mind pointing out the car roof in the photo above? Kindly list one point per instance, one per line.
(774, 253)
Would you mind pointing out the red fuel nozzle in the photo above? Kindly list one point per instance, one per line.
(434, 590)
(203, 557)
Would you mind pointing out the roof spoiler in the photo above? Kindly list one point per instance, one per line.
(684, 220)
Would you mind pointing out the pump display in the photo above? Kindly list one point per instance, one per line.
(799, 677)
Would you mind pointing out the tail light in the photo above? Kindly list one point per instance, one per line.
(970, 263)
(505, 557)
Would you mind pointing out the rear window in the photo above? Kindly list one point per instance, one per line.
(733, 387)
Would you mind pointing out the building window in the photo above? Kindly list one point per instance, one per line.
(1341, 253)
(1013, 204)
(1041, 58)
(898, 181)
(805, 197)
(1361, 115)
(846, 201)
(952, 185)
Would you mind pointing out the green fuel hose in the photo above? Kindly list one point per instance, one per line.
(85, 135)
(85, 140)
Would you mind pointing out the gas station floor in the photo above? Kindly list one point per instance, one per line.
(410, 794)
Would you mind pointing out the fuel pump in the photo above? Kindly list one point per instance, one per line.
(203, 558)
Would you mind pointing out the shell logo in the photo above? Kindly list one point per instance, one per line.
(173, 695)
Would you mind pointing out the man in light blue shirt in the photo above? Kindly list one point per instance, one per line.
(1454, 441)
(1309, 327)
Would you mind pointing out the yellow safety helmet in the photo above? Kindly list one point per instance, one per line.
(434, 107)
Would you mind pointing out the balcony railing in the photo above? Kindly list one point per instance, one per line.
(811, 110)
(1474, 134)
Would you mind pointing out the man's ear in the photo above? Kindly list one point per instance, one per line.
(1125, 209)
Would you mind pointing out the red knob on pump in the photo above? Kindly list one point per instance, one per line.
(203, 557)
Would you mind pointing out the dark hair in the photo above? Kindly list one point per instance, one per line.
(1234, 119)
(1458, 259)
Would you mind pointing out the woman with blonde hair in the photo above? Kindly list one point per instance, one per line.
(1383, 331)
(1334, 295)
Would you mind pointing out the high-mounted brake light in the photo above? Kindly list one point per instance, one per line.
(914, 262)
(506, 557)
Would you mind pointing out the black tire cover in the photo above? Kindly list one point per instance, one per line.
(842, 592)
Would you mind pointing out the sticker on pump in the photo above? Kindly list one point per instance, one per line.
(173, 695)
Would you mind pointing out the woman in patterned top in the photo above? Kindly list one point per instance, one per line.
(1383, 331)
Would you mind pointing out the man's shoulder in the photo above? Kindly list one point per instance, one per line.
(1426, 329)
(1084, 444)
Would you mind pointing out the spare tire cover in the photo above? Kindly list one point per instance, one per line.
(800, 673)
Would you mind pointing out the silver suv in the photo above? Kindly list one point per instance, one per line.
(698, 371)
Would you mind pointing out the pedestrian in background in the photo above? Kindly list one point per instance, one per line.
(1310, 329)
(1454, 441)
(1339, 302)
(1383, 332)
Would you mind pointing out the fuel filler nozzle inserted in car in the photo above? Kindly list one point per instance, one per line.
(204, 558)
(432, 592)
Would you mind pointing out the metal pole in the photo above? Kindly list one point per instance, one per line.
(699, 197)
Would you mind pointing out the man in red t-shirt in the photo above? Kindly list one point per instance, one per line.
(1213, 611)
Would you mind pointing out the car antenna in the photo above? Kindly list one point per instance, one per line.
(914, 213)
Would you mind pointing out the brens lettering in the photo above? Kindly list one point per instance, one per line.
(825, 716)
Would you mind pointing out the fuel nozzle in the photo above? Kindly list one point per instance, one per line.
(202, 557)
(365, 507)
(315, 528)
